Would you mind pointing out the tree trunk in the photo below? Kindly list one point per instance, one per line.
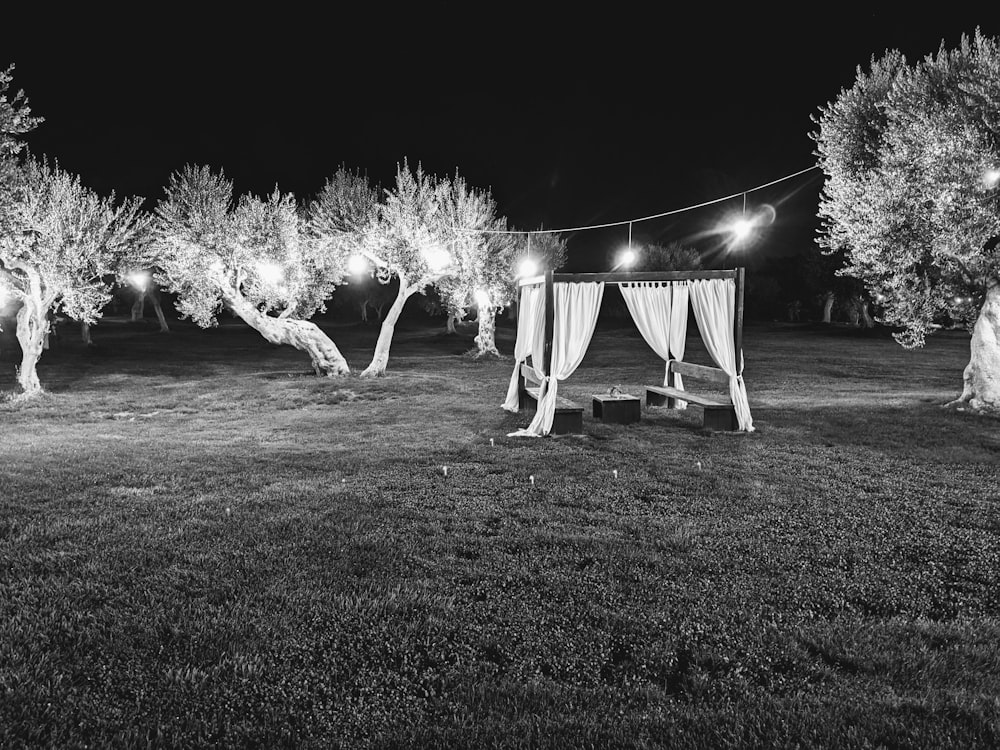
(139, 307)
(982, 375)
(32, 328)
(828, 300)
(301, 334)
(486, 340)
(381, 357)
(452, 325)
(85, 333)
(866, 316)
(154, 297)
(364, 311)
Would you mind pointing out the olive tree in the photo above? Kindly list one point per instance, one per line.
(250, 255)
(910, 154)
(484, 253)
(60, 247)
(401, 237)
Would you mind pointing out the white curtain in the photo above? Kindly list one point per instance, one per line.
(659, 310)
(576, 306)
(530, 337)
(678, 330)
(714, 303)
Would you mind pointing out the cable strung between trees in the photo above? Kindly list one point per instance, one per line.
(643, 218)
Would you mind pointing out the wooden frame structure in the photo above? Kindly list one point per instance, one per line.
(625, 277)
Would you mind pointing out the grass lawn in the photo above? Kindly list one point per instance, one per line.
(200, 544)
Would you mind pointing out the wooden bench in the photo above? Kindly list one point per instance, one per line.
(719, 412)
(569, 415)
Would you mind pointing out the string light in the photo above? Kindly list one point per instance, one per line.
(641, 218)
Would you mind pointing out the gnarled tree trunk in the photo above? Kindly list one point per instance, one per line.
(452, 325)
(982, 375)
(302, 334)
(139, 306)
(32, 329)
(380, 359)
(486, 339)
(85, 333)
(866, 316)
(154, 297)
(828, 300)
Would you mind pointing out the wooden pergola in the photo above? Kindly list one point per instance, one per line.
(624, 277)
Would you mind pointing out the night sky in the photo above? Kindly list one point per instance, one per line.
(571, 118)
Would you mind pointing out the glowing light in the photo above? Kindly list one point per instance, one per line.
(741, 229)
(437, 258)
(482, 298)
(138, 279)
(217, 268)
(991, 177)
(357, 265)
(626, 258)
(270, 273)
(528, 267)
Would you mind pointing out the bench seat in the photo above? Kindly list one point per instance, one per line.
(666, 392)
(718, 410)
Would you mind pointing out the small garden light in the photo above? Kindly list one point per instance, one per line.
(527, 268)
(991, 178)
(357, 265)
(482, 298)
(437, 257)
(270, 273)
(139, 280)
(626, 258)
(741, 229)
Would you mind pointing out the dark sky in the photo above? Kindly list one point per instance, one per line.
(570, 117)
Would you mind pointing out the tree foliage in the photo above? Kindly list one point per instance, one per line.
(672, 256)
(65, 240)
(907, 152)
(15, 116)
(60, 247)
(485, 254)
(208, 243)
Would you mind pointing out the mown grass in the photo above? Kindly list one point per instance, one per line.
(202, 545)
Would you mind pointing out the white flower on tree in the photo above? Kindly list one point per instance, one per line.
(907, 152)
(59, 246)
(251, 255)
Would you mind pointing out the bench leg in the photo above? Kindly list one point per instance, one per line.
(721, 418)
(655, 399)
(567, 423)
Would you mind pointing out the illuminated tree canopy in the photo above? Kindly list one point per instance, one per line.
(250, 254)
(401, 237)
(910, 154)
(60, 245)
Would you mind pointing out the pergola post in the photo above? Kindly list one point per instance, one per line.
(550, 319)
(738, 317)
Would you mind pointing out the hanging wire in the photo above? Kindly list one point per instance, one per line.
(645, 218)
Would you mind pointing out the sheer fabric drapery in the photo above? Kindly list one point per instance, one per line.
(530, 337)
(714, 304)
(575, 307)
(660, 312)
